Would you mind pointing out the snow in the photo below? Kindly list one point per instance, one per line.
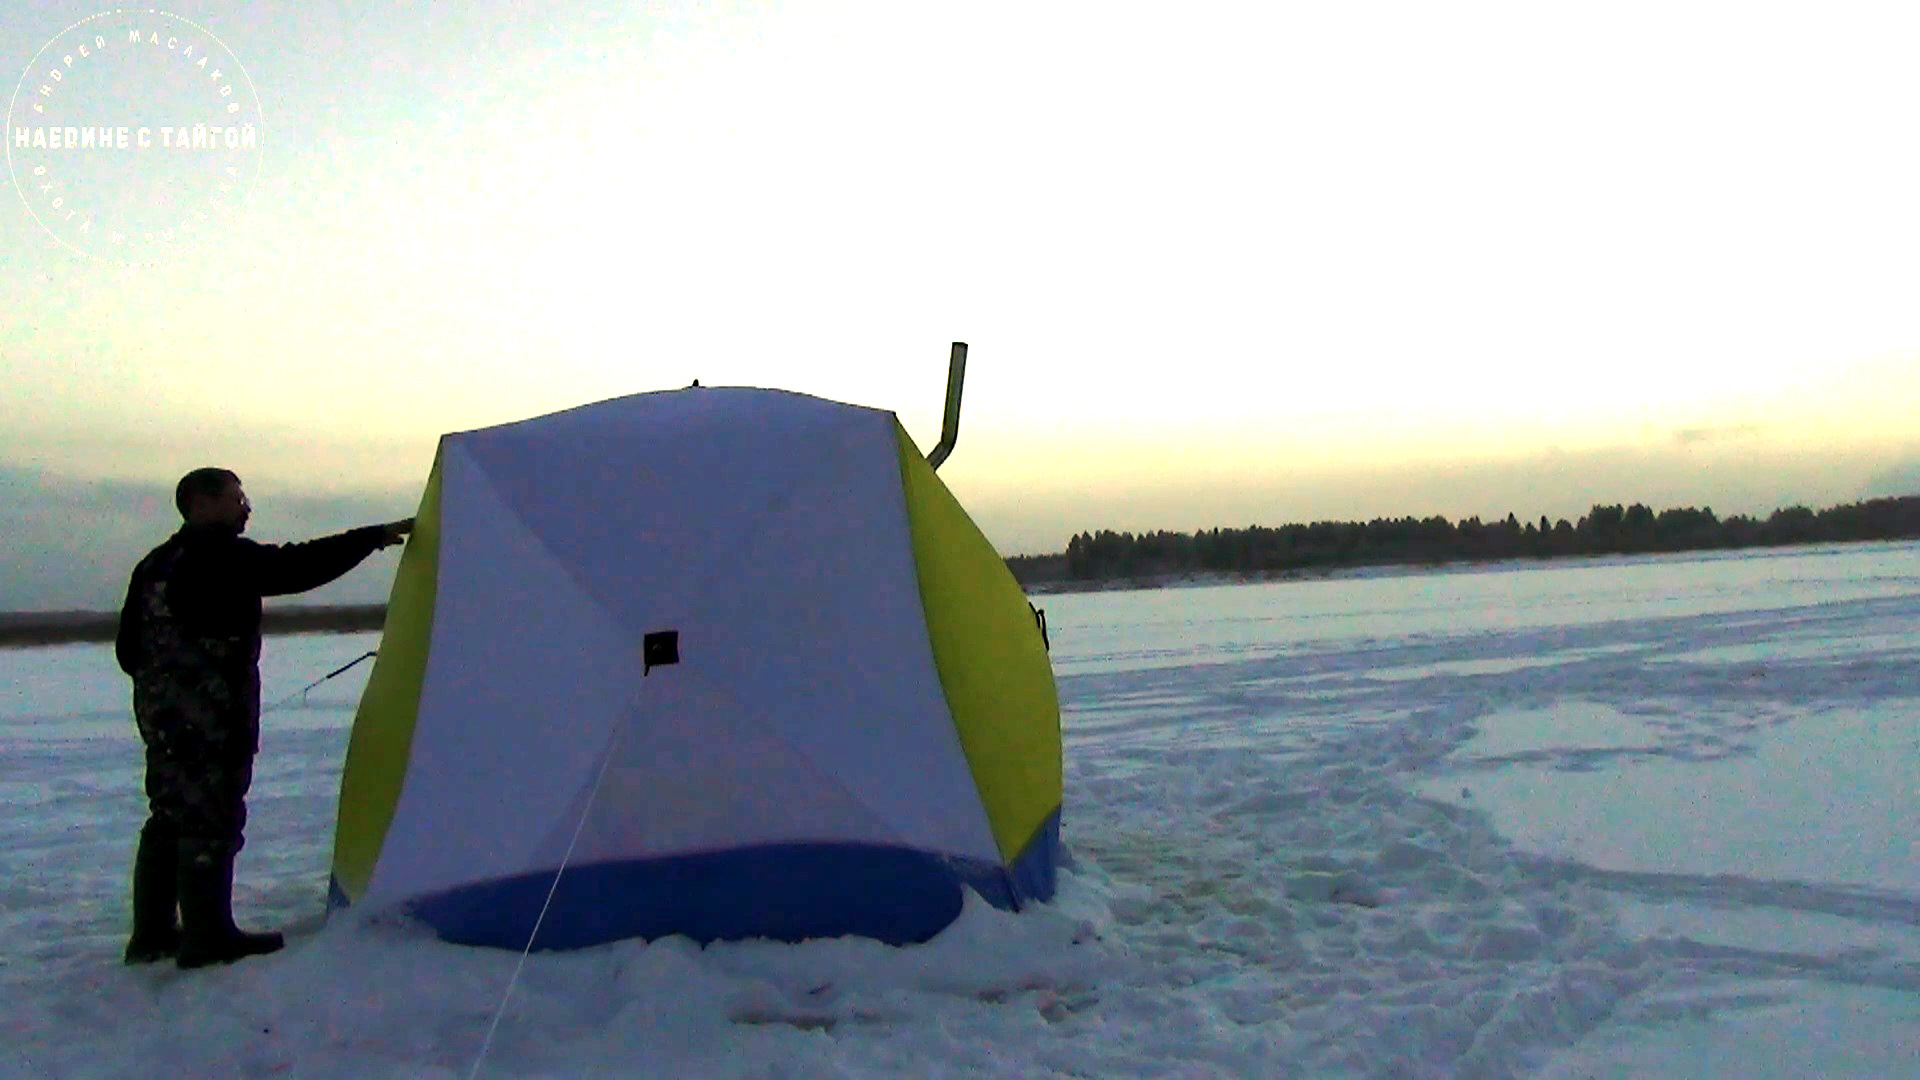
(1645, 817)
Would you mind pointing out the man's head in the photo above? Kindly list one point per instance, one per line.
(212, 497)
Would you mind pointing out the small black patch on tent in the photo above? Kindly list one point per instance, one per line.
(659, 647)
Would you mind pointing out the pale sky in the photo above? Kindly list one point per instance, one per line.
(1217, 264)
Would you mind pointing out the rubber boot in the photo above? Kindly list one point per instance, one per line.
(207, 933)
(156, 933)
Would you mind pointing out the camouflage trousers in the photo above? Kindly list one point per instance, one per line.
(201, 735)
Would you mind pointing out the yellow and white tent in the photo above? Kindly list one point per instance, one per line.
(725, 662)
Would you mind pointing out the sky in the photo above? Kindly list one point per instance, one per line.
(1217, 265)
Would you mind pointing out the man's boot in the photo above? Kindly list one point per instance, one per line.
(207, 933)
(156, 934)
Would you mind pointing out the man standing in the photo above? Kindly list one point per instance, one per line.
(190, 638)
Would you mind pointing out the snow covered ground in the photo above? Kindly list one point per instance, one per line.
(1634, 818)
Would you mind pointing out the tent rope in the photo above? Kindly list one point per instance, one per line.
(521, 964)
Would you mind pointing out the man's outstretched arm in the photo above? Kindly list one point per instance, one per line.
(279, 569)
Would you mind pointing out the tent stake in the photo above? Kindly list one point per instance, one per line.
(302, 692)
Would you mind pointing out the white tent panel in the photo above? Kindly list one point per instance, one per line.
(830, 651)
(693, 771)
(523, 673)
(646, 499)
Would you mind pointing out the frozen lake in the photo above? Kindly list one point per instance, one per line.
(1630, 817)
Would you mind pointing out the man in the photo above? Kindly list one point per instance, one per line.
(190, 638)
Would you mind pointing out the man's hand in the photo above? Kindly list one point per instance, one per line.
(394, 532)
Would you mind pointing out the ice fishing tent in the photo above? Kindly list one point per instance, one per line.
(736, 658)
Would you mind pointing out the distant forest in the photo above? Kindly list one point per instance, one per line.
(1106, 556)
(1324, 545)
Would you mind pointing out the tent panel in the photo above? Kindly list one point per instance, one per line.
(647, 500)
(1032, 873)
(692, 771)
(787, 892)
(826, 647)
(383, 726)
(993, 663)
(526, 682)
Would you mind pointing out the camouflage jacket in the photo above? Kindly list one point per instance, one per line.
(191, 620)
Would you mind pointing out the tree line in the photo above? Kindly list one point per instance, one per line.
(1604, 530)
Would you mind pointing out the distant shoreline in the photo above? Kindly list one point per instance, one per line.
(1200, 579)
(29, 629)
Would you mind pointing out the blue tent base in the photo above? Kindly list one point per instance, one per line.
(784, 892)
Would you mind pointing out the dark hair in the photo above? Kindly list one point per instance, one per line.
(209, 483)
